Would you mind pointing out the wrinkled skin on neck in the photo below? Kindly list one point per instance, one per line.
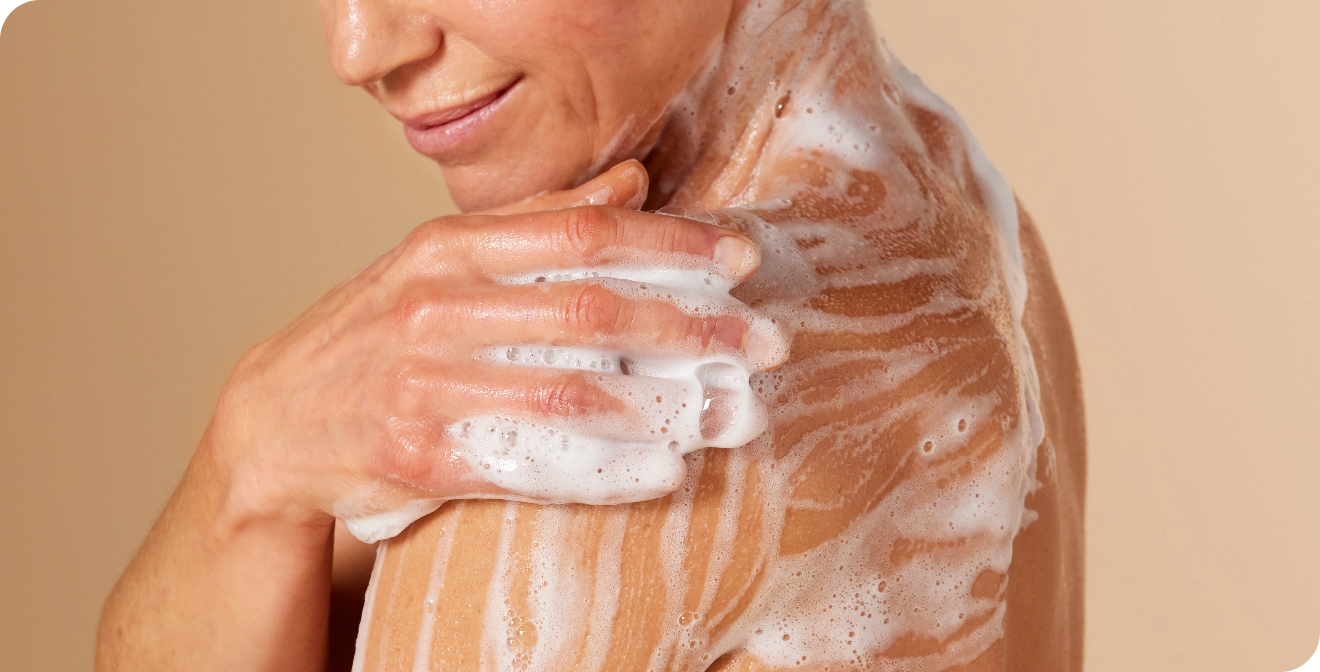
(916, 504)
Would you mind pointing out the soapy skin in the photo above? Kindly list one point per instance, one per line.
(347, 412)
(666, 404)
(916, 502)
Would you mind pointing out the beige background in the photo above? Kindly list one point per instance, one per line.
(179, 178)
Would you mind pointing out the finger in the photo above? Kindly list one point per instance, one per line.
(602, 314)
(623, 186)
(521, 247)
(688, 403)
(607, 406)
(542, 435)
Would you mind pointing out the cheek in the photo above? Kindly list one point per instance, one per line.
(640, 60)
(542, 145)
(581, 56)
(598, 77)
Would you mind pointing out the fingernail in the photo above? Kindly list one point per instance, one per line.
(758, 346)
(601, 196)
(634, 169)
(734, 254)
(765, 344)
(638, 174)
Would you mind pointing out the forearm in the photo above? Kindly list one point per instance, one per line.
(215, 587)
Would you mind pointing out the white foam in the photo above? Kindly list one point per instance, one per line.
(675, 405)
(372, 514)
(850, 598)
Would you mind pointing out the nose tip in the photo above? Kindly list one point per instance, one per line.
(368, 39)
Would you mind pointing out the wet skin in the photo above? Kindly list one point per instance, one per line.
(438, 584)
(513, 98)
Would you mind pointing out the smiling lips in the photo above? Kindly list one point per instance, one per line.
(442, 132)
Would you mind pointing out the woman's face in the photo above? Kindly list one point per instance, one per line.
(515, 97)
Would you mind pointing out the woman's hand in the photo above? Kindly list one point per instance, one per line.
(355, 399)
(348, 410)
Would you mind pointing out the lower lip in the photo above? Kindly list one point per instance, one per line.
(441, 139)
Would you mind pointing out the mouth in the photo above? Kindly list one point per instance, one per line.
(442, 132)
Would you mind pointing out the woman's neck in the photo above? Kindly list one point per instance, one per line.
(777, 59)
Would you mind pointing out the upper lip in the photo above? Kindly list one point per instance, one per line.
(433, 118)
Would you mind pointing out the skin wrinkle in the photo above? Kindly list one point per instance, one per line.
(903, 492)
(901, 446)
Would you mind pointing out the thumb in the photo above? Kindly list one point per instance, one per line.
(623, 186)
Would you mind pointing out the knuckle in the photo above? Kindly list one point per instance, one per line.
(591, 309)
(430, 240)
(588, 230)
(405, 460)
(418, 308)
(565, 396)
(710, 332)
(697, 329)
(673, 235)
(410, 437)
(410, 311)
(427, 233)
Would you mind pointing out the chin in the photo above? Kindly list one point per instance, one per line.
(476, 187)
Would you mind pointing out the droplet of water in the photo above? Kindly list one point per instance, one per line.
(781, 105)
(524, 635)
(720, 385)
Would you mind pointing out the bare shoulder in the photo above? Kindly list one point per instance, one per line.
(899, 508)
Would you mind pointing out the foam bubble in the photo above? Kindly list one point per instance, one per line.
(675, 405)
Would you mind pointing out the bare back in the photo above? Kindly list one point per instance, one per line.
(917, 501)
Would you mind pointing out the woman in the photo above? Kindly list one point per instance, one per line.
(914, 503)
